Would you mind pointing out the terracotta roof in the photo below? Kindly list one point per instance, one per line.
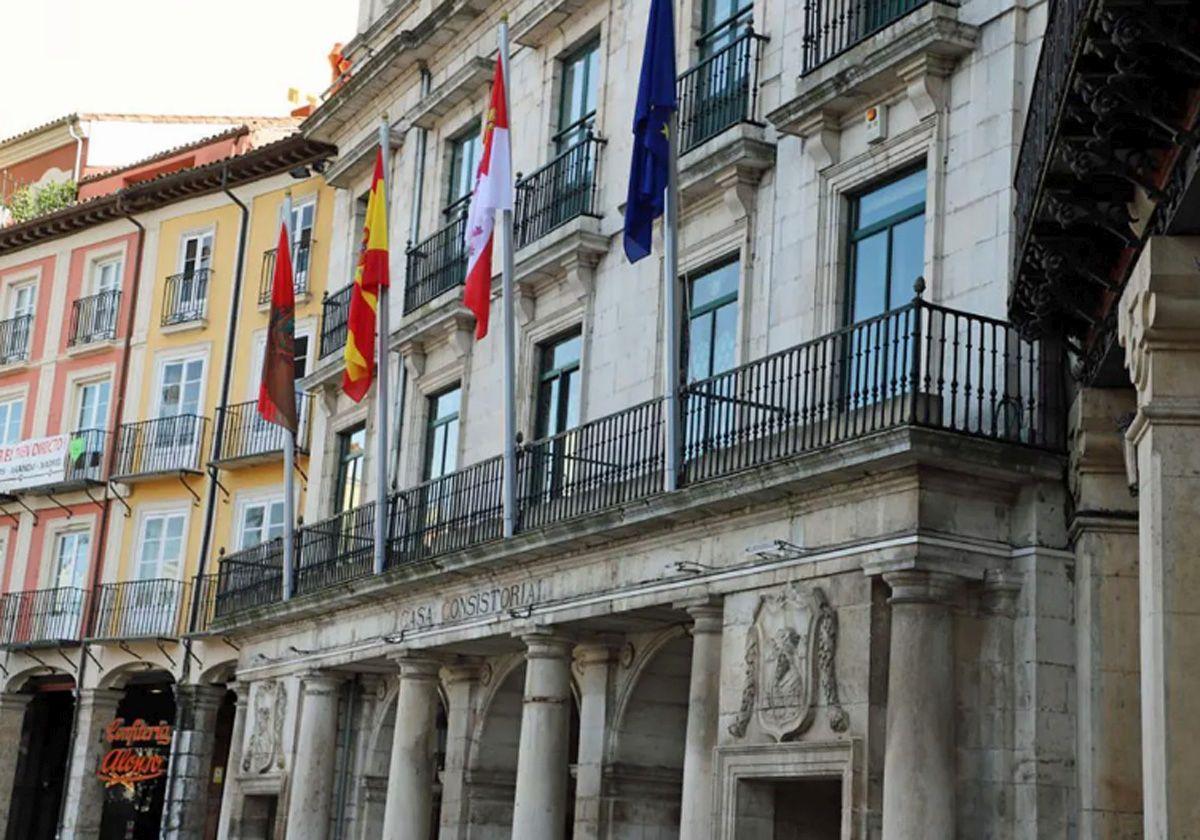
(252, 122)
(264, 161)
(29, 132)
(236, 131)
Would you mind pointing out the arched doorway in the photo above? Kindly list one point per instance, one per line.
(43, 751)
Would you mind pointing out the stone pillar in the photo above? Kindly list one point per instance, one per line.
(592, 665)
(310, 796)
(12, 719)
(460, 682)
(704, 706)
(84, 794)
(1104, 537)
(409, 809)
(231, 792)
(186, 805)
(918, 765)
(1159, 324)
(539, 809)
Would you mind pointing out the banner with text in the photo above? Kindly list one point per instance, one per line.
(33, 463)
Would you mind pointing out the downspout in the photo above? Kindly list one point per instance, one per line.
(109, 456)
(78, 138)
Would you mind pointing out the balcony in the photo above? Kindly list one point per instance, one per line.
(438, 263)
(301, 266)
(335, 312)
(94, 319)
(246, 438)
(249, 578)
(164, 446)
(82, 463)
(185, 298)
(14, 339)
(42, 618)
(720, 92)
(562, 190)
(834, 26)
(921, 366)
(202, 604)
(140, 609)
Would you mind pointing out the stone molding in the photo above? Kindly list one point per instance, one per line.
(541, 644)
(463, 84)
(920, 586)
(729, 165)
(415, 667)
(539, 24)
(568, 255)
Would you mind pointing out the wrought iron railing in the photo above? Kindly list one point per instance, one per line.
(185, 297)
(335, 312)
(86, 449)
(168, 444)
(15, 335)
(437, 263)
(140, 609)
(42, 617)
(249, 578)
(202, 603)
(245, 434)
(94, 318)
(720, 92)
(562, 190)
(921, 365)
(833, 26)
(301, 269)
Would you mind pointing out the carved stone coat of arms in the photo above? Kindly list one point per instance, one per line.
(789, 664)
(265, 748)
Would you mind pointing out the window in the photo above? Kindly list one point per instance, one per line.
(712, 321)
(71, 559)
(161, 548)
(261, 522)
(91, 420)
(303, 216)
(301, 355)
(21, 300)
(192, 290)
(351, 444)
(558, 386)
(721, 23)
(15, 338)
(577, 96)
(106, 276)
(98, 317)
(441, 441)
(93, 405)
(464, 160)
(196, 253)
(12, 412)
(179, 404)
(887, 246)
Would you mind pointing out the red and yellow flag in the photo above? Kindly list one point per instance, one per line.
(277, 390)
(369, 277)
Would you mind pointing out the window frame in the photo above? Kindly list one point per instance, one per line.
(267, 503)
(342, 443)
(563, 372)
(432, 424)
(708, 310)
(164, 514)
(470, 134)
(578, 128)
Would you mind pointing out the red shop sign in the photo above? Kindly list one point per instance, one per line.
(136, 754)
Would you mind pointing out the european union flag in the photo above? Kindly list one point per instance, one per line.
(649, 170)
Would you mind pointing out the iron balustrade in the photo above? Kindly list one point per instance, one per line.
(94, 318)
(185, 297)
(720, 92)
(245, 434)
(86, 449)
(301, 268)
(437, 263)
(167, 444)
(140, 609)
(833, 26)
(600, 464)
(14, 339)
(42, 617)
(921, 365)
(336, 549)
(335, 312)
(249, 578)
(562, 190)
(202, 603)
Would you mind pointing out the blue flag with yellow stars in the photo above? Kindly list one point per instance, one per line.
(656, 102)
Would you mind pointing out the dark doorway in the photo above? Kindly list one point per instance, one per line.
(808, 809)
(258, 817)
(220, 762)
(41, 765)
(134, 811)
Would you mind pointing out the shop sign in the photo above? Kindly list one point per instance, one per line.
(34, 463)
(137, 753)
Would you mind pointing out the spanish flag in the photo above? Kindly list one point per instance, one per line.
(370, 276)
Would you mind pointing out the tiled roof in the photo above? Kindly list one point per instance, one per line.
(236, 131)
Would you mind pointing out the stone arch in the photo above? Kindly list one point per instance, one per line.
(222, 673)
(645, 761)
(118, 676)
(18, 680)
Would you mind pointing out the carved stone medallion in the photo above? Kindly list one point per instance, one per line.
(788, 663)
(265, 747)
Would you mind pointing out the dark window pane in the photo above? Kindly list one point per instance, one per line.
(870, 277)
(908, 259)
(890, 199)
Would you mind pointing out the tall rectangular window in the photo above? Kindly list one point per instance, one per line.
(15, 335)
(441, 439)
(261, 522)
(465, 149)
(179, 390)
(71, 554)
(351, 445)
(106, 276)
(721, 22)
(577, 96)
(12, 413)
(712, 321)
(558, 386)
(887, 246)
(160, 552)
(303, 217)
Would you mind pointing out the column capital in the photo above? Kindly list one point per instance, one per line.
(544, 644)
(708, 614)
(101, 696)
(416, 665)
(13, 702)
(587, 654)
(919, 586)
(320, 682)
(463, 671)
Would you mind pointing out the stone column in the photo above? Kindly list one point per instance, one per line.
(310, 796)
(592, 666)
(409, 809)
(918, 765)
(186, 805)
(231, 792)
(540, 806)
(460, 682)
(12, 719)
(84, 794)
(704, 706)
(1159, 324)
(1104, 536)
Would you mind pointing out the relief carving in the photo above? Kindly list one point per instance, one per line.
(265, 748)
(789, 659)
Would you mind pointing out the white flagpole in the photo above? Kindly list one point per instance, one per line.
(510, 331)
(381, 384)
(289, 448)
(671, 315)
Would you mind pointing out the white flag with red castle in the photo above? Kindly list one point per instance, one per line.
(493, 192)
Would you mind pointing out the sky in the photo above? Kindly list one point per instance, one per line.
(234, 57)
